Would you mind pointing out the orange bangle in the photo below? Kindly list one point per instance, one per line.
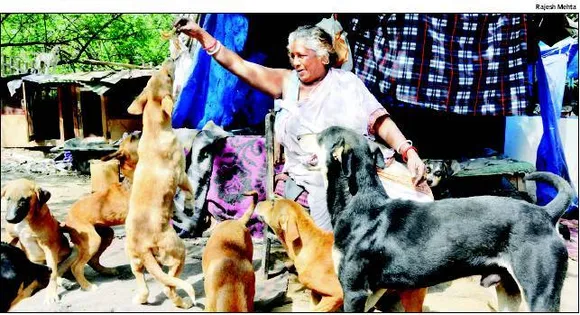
(404, 153)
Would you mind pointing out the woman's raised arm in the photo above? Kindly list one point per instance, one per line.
(267, 80)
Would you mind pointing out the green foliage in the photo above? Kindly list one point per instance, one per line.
(120, 38)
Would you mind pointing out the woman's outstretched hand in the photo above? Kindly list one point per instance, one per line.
(187, 26)
(416, 166)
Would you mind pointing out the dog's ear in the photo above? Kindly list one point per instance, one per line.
(136, 108)
(43, 195)
(3, 191)
(377, 154)
(167, 105)
(342, 154)
(290, 228)
(115, 155)
(453, 167)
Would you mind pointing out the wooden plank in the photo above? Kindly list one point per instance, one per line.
(77, 116)
(104, 115)
(30, 130)
(269, 137)
(59, 92)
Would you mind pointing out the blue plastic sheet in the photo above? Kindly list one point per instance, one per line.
(552, 70)
(212, 92)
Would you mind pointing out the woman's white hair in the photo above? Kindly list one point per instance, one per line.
(314, 38)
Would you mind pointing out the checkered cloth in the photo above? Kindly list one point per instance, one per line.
(469, 64)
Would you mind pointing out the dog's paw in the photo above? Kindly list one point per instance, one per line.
(91, 287)
(140, 299)
(186, 303)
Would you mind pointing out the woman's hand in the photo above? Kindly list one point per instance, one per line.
(416, 166)
(187, 26)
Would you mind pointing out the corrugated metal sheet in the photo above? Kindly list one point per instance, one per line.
(97, 81)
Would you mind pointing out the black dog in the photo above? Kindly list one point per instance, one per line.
(388, 243)
(20, 277)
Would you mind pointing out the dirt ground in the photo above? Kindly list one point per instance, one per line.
(114, 294)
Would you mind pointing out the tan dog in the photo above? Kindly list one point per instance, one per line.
(89, 220)
(310, 248)
(229, 279)
(33, 228)
(161, 169)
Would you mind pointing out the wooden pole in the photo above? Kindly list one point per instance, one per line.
(30, 129)
(59, 91)
(104, 121)
(269, 137)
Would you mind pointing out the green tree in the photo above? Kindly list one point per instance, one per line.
(87, 42)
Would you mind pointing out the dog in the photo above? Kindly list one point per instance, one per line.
(20, 278)
(89, 220)
(35, 230)
(310, 249)
(228, 272)
(437, 171)
(161, 169)
(389, 243)
(45, 61)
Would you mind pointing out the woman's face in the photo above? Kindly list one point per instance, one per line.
(308, 65)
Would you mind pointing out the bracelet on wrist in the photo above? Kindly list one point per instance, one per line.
(406, 150)
(398, 149)
(213, 51)
(210, 47)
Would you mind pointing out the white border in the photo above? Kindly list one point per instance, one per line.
(289, 6)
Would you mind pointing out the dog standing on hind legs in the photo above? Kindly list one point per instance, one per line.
(391, 243)
(161, 169)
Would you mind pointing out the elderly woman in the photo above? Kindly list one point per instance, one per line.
(312, 97)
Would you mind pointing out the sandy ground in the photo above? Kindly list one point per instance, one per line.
(114, 294)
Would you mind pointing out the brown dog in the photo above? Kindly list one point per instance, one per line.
(33, 228)
(161, 169)
(310, 248)
(90, 219)
(229, 279)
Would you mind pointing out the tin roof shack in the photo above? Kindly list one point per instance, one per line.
(55, 108)
(13, 118)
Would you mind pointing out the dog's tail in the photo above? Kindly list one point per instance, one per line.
(563, 199)
(155, 270)
(246, 217)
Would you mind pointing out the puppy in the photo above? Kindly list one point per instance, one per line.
(438, 171)
(89, 220)
(389, 243)
(310, 248)
(161, 169)
(228, 272)
(20, 278)
(35, 230)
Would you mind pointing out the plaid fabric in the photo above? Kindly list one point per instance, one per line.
(469, 64)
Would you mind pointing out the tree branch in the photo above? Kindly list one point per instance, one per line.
(107, 63)
(96, 34)
(59, 42)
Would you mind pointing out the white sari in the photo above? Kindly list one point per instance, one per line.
(341, 99)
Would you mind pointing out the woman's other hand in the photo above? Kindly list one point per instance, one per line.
(416, 167)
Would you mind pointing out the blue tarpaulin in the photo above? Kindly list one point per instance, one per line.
(552, 72)
(212, 92)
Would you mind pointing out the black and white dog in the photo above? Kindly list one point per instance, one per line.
(19, 277)
(388, 243)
